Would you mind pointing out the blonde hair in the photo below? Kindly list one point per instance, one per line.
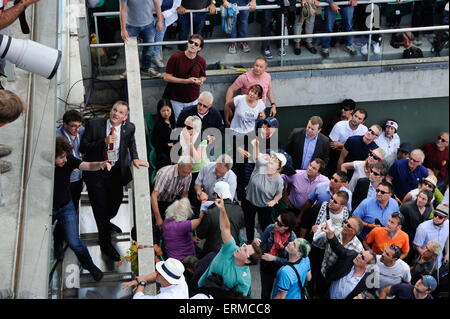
(180, 210)
(196, 122)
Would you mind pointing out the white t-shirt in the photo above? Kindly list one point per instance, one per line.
(415, 192)
(342, 131)
(393, 275)
(389, 146)
(245, 117)
(357, 174)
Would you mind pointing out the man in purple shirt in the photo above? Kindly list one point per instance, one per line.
(303, 182)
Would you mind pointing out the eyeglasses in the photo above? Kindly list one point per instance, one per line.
(373, 133)
(442, 139)
(414, 160)
(203, 105)
(382, 192)
(374, 157)
(439, 216)
(188, 127)
(374, 173)
(347, 223)
(194, 43)
(280, 223)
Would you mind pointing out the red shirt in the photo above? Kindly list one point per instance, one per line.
(436, 160)
(178, 66)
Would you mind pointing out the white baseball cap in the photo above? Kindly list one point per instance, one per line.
(223, 190)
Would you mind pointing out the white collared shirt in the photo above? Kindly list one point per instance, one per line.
(117, 142)
(179, 291)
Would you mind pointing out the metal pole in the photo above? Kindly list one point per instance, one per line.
(282, 41)
(370, 35)
(99, 60)
(192, 22)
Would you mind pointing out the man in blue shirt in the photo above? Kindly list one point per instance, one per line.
(406, 174)
(286, 283)
(375, 212)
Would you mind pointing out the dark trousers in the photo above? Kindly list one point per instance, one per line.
(109, 29)
(264, 218)
(268, 271)
(184, 22)
(105, 194)
(316, 258)
(423, 14)
(268, 17)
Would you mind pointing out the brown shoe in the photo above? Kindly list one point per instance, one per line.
(5, 166)
(5, 150)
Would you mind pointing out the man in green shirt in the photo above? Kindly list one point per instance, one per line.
(232, 262)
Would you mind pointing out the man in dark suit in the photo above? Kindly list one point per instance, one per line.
(306, 144)
(109, 139)
(349, 275)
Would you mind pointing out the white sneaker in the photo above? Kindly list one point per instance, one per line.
(123, 75)
(159, 63)
(364, 50)
(232, 48)
(376, 47)
(153, 74)
(245, 47)
(281, 52)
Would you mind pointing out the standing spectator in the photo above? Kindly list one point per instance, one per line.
(308, 143)
(436, 158)
(108, 29)
(63, 209)
(427, 262)
(375, 212)
(381, 237)
(358, 147)
(115, 137)
(423, 15)
(346, 109)
(389, 141)
(240, 25)
(136, 19)
(205, 110)
(428, 183)
(8, 16)
(232, 262)
(185, 73)
(292, 278)
(161, 133)
(267, 23)
(331, 13)
(366, 186)
(302, 183)
(257, 75)
(406, 174)
(392, 270)
(198, 18)
(209, 227)
(435, 229)
(273, 244)
(177, 229)
(421, 290)
(306, 17)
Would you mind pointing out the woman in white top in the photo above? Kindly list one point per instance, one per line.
(247, 109)
(362, 168)
(389, 141)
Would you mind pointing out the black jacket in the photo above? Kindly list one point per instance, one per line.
(212, 119)
(296, 143)
(93, 147)
(360, 192)
(344, 265)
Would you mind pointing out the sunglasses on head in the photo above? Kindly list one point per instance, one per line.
(382, 192)
(280, 223)
(373, 132)
(442, 139)
(374, 157)
(375, 173)
(194, 43)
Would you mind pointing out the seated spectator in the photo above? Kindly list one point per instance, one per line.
(375, 212)
(348, 276)
(428, 183)
(389, 141)
(169, 274)
(273, 244)
(426, 263)
(358, 147)
(381, 237)
(392, 270)
(264, 190)
(164, 125)
(209, 227)
(362, 168)
(366, 186)
(421, 290)
(302, 183)
(171, 183)
(177, 229)
(346, 108)
(189, 137)
(291, 278)
(240, 24)
(204, 109)
(436, 158)
(406, 174)
(307, 17)
(232, 262)
(435, 229)
(306, 144)
(198, 18)
(257, 75)
(404, 150)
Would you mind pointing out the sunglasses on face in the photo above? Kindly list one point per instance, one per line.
(414, 160)
(442, 139)
(244, 245)
(374, 157)
(188, 127)
(362, 257)
(428, 185)
(335, 201)
(347, 223)
(373, 132)
(280, 223)
(382, 192)
(202, 105)
(374, 173)
(439, 216)
(194, 43)
(335, 180)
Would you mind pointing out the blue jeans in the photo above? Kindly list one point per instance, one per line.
(268, 16)
(67, 221)
(240, 27)
(157, 36)
(146, 34)
(185, 26)
(330, 18)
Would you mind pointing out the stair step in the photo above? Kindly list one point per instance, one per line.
(109, 279)
(91, 239)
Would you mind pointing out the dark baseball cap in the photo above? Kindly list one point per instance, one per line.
(271, 121)
(406, 147)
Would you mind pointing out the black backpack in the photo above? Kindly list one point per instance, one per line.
(412, 53)
(397, 40)
(440, 42)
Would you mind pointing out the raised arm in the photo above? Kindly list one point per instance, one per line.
(224, 222)
(197, 221)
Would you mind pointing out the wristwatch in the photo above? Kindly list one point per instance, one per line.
(142, 283)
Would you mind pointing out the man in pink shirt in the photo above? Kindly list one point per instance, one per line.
(257, 75)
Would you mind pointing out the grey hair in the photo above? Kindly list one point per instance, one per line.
(207, 95)
(184, 160)
(436, 247)
(418, 152)
(226, 160)
(180, 210)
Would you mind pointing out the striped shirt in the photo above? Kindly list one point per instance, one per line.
(170, 185)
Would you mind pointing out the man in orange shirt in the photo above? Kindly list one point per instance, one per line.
(381, 237)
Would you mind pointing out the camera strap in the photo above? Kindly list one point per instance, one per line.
(23, 20)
